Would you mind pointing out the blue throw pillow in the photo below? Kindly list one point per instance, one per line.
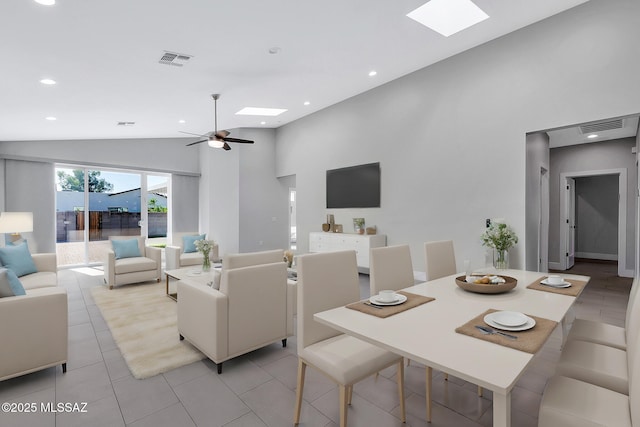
(188, 242)
(125, 248)
(10, 285)
(18, 258)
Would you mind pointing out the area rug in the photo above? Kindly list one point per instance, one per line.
(144, 325)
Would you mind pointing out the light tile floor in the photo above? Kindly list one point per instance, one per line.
(258, 389)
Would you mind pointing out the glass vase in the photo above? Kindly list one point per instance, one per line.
(206, 262)
(501, 259)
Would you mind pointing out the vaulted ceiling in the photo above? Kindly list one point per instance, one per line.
(105, 59)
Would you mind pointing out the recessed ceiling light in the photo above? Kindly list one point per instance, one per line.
(48, 81)
(593, 135)
(263, 123)
(372, 73)
(447, 17)
(50, 118)
(258, 111)
(46, 2)
(182, 121)
(306, 103)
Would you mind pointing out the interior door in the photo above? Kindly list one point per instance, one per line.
(571, 222)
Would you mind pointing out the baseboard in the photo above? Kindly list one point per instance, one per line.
(420, 276)
(591, 255)
(627, 273)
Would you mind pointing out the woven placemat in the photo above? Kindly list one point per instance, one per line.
(529, 341)
(577, 286)
(413, 300)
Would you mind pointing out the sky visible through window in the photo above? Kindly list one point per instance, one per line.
(122, 181)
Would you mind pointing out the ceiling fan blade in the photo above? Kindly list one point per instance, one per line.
(197, 142)
(238, 140)
(226, 147)
(221, 134)
(194, 134)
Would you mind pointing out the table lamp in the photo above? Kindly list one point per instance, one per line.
(14, 223)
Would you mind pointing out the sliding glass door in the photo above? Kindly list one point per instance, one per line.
(93, 204)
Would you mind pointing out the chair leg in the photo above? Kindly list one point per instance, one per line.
(343, 405)
(219, 365)
(302, 367)
(284, 342)
(64, 368)
(349, 394)
(429, 373)
(181, 337)
(400, 380)
(446, 377)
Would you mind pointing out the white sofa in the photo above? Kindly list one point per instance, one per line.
(175, 257)
(135, 269)
(252, 309)
(34, 332)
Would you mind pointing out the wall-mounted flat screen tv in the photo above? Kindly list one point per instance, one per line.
(354, 187)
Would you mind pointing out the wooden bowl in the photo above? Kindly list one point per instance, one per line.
(509, 284)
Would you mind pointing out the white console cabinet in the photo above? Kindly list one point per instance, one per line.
(361, 243)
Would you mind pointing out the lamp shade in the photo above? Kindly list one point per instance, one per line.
(16, 222)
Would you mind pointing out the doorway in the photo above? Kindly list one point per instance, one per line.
(568, 217)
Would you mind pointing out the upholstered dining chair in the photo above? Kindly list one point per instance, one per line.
(440, 261)
(391, 268)
(605, 333)
(329, 280)
(600, 364)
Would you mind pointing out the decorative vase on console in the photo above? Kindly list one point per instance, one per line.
(501, 238)
(204, 247)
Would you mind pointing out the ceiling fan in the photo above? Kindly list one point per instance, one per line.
(217, 139)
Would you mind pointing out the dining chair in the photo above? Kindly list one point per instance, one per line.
(599, 364)
(325, 281)
(391, 268)
(569, 402)
(605, 333)
(440, 259)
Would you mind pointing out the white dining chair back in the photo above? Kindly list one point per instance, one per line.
(329, 280)
(440, 259)
(634, 387)
(390, 268)
(632, 301)
(325, 280)
(632, 331)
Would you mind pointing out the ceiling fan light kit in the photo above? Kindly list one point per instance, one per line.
(217, 139)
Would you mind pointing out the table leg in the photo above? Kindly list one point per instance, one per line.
(501, 409)
(166, 291)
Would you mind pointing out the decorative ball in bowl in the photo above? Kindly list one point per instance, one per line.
(487, 288)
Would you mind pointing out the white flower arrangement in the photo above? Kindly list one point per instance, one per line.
(499, 236)
(204, 246)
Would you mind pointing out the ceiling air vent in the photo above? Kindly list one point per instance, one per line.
(602, 126)
(126, 123)
(175, 59)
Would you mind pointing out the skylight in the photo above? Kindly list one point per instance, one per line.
(448, 17)
(258, 111)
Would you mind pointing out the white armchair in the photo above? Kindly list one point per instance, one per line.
(250, 311)
(133, 269)
(176, 257)
(34, 332)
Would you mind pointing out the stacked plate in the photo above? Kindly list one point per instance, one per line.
(509, 321)
(397, 299)
(563, 284)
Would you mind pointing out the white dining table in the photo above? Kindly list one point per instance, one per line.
(426, 333)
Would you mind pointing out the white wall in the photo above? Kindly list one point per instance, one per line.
(163, 155)
(451, 137)
(537, 153)
(242, 202)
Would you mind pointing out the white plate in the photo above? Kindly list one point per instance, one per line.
(528, 325)
(508, 318)
(556, 285)
(398, 300)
